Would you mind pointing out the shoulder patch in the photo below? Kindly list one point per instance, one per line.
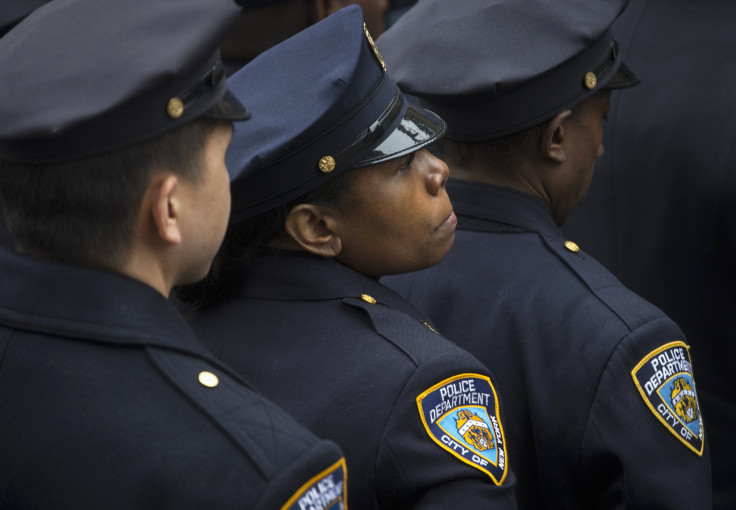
(326, 491)
(665, 381)
(461, 415)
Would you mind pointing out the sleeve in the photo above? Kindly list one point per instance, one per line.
(318, 479)
(287, 466)
(645, 434)
(444, 443)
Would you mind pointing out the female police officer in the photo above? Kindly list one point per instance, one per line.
(336, 189)
(605, 410)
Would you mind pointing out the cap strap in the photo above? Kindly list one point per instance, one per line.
(214, 78)
(374, 132)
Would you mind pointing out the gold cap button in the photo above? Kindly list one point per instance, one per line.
(368, 299)
(208, 379)
(175, 108)
(590, 80)
(572, 246)
(326, 164)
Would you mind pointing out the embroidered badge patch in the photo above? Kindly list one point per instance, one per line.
(461, 414)
(665, 380)
(326, 491)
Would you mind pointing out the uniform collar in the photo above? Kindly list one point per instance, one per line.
(300, 276)
(501, 204)
(78, 302)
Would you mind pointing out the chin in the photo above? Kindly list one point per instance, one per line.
(426, 260)
(194, 276)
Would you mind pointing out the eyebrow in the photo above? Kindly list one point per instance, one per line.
(408, 160)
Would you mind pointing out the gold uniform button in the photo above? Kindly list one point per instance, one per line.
(208, 379)
(368, 299)
(590, 80)
(326, 164)
(175, 108)
(572, 246)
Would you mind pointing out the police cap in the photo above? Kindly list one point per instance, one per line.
(83, 77)
(15, 10)
(493, 68)
(322, 103)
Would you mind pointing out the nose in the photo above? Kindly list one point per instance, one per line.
(437, 172)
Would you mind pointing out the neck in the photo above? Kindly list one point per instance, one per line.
(523, 176)
(149, 269)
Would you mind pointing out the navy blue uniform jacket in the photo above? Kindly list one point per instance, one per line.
(563, 336)
(101, 404)
(661, 210)
(352, 370)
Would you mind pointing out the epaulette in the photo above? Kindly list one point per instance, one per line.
(416, 338)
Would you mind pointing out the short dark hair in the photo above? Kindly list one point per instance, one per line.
(84, 212)
(247, 239)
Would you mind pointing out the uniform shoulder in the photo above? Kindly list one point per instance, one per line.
(269, 437)
(415, 337)
(630, 308)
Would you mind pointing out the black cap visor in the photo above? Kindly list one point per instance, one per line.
(417, 129)
(228, 108)
(623, 78)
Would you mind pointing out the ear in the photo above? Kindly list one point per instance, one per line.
(165, 209)
(554, 137)
(313, 228)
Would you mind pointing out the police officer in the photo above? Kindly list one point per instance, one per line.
(603, 408)
(113, 129)
(337, 188)
(660, 210)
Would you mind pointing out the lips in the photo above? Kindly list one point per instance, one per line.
(450, 221)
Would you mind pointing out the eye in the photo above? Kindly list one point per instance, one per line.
(407, 161)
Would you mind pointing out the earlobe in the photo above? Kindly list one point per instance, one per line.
(312, 228)
(165, 210)
(552, 143)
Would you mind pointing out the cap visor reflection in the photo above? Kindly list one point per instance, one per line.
(417, 129)
(228, 108)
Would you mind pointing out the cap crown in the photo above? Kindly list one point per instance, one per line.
(81, 77)
(495, 67)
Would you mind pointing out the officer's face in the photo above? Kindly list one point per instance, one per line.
(397, 217)
(207, 198)
(584, 132)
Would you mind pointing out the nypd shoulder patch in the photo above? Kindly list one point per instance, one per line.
(326, 491)
(665, 381)
(461, 415)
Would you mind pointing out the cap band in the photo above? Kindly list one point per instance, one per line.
(563, 87)
(374, 132)
(319, 152)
